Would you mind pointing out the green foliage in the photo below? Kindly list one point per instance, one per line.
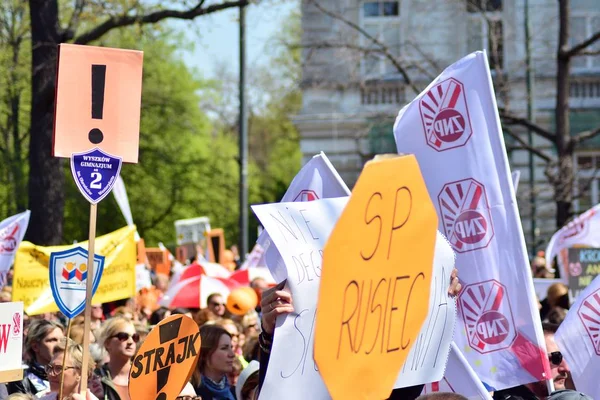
(188, 164)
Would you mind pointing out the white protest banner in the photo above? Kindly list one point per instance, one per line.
(579, 341)
(300, 231)
(12, 231)
(254, 258)
(454, 130)
(582, 231)
(11, 341)
(459, 378)
(426, 360)
(191, 231)
(142, 277)
(318, 179)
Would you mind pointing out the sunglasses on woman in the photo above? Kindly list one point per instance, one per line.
(188, 398)
(124, 336)
(555, 357)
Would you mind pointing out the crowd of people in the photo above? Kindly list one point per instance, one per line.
(234, 352)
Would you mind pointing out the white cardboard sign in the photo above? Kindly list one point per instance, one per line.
(11, 335)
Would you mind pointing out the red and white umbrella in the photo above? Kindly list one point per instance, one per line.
(245, 276)
(193, 270)
(193, 292)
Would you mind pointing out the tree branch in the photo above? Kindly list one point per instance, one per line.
(527, 147)
(510, 119)
(384, 49)
(585, 135)
(575, 50)
(154, 17)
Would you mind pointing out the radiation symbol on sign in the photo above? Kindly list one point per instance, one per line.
(487, 316)
(445, 116)
(466, 214)
(589, 312)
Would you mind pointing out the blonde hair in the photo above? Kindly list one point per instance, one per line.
(112, 327)
(555, 292)
(75, 353)
(21, 396)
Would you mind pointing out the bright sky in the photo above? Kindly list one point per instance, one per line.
(217, 36)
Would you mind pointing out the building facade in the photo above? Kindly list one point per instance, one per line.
(364, 60)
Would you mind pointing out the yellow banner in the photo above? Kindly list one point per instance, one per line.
(31, 283)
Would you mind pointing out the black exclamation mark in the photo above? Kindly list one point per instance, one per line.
(167, 332)
(98, 80)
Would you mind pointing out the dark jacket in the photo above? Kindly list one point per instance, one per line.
(110, 391)
(25, 385)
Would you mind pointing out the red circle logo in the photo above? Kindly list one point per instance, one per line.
(8, 245)
(449, 125)
(492, 327)
(470, 227)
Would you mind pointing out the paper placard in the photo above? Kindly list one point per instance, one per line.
(11, 341)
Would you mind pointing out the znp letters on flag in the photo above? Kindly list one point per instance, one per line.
(454, 130)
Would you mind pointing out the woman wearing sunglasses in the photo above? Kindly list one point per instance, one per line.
(119, 338)
(215, 362)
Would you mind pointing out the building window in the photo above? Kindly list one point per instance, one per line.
(381, 20)
(587, 185)
(485, 30)
(582, 27)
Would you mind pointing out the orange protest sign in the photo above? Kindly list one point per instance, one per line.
(158, 260)
(375, 282)
(166, 360)
(98, 101)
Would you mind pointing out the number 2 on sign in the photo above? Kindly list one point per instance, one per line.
(95, 184)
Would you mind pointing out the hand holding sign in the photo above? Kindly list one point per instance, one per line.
(375, 281)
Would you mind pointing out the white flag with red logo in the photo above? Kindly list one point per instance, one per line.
(12, 231)
(582, 231)
(578, 339)
(318, 179)
(459, 378)
(454, 130)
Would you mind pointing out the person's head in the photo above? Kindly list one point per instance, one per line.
(558, 295)
(251, 323)
(235, 372)
(205, 315)
(259, 285)
(556, 315)
(158, 315)
(251, 348)
(124, 312)
(119, 338)
(232, 329)
(97, 312)
(559, 370)
(21, 396)
(442, 396)
(247, 384)
(161, 282)
(182, 311)
(72, 367)
(76, 334)
(5, 296)
(188, 393)
(99, 354)
(216, 303)
(216, 353)
(42, 337)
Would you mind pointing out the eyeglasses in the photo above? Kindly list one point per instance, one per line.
(188, 398)
(54, 369)
(555, 357)
(217, 304)
(124, 336)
